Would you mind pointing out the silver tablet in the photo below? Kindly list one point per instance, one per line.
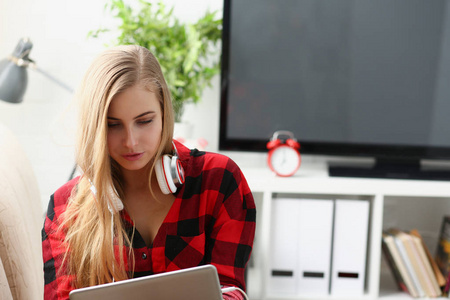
(193, 283)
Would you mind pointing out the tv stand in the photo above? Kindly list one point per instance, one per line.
(390, 169)
(405, 204)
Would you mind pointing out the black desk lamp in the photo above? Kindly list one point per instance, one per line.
(13, 73)
(14, 77)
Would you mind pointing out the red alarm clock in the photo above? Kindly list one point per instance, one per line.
(284, 155)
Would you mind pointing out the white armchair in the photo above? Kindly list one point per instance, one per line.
(21, 219)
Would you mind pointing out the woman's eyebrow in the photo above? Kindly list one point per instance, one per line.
(137, 117)
(144, 114)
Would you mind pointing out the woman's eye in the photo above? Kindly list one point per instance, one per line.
(112, 125)
(143, 122)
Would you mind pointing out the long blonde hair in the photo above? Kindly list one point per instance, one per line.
(87, 220)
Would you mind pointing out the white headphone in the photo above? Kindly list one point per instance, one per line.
(169, 173)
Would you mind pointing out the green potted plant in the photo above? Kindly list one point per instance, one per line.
(188, 53)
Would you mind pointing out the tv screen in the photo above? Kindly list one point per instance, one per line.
(348, 77)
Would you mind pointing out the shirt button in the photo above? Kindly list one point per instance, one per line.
(144, 256)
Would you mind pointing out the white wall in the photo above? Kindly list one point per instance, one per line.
(45, 121)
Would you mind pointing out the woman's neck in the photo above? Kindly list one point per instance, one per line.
(136, 179)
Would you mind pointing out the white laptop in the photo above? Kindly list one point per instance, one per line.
(193, 283)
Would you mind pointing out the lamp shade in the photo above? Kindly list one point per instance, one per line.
(13, 73)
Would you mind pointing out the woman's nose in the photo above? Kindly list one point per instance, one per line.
(131, 138)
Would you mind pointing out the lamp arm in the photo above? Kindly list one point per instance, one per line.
(26, 62)
(52, 78)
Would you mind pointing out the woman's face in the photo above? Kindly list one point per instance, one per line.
(134, 128)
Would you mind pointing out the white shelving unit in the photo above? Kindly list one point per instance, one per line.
(405, 204)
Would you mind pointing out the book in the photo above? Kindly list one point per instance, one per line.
(427, 274)
(441, 281)
(412, 265)
(396, 265)
(399, 239)
(416, 262)
(443, 250)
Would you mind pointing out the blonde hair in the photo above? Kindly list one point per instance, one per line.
(87, 221)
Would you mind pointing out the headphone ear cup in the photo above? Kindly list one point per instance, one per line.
(273, 143)
(163, 175)
(293, 143)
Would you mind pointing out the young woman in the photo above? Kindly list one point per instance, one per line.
(128, 216)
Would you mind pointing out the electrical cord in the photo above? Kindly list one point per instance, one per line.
(235, 288)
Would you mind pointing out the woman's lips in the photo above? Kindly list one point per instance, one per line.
(132, 156)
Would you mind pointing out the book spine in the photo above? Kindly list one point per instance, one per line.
(393, 266)
(409, 267)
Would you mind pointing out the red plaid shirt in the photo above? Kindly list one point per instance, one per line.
(212, 221)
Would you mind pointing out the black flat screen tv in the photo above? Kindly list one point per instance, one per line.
(362, 78)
